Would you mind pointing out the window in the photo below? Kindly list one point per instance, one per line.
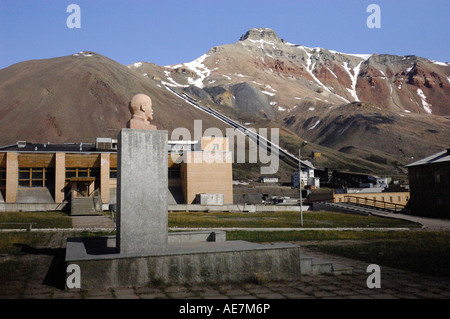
(34, 177)
(215, 147)
(113, 173)
(2, 176)
(82, 172)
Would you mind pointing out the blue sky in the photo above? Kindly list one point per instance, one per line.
(175, 31)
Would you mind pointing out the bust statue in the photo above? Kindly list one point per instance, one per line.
(141, 113)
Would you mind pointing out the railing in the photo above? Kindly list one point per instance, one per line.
(374, 203)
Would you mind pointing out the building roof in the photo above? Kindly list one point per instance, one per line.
(440, 157)
(52, 148)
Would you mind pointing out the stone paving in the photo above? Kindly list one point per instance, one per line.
(40, 274)
(33, 280)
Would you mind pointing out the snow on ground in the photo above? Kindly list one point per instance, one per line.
(268, 93)
(332, 73)
(310, 69)
(314, 126)
(282, 109)
(311, 109)
(83, 53)
(269, 87)
(426, 106)
(172, 81)
(439, 63)
(137, 64)
(354, 78)
(273, 103)
(199, 69)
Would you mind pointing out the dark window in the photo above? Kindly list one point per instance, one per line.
(71, 172)
(2, 176)
(83, 172)
(34, 177)
(113, 173)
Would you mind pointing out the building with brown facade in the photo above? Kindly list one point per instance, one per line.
(54, 173)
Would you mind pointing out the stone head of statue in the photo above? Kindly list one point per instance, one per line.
(141, 112)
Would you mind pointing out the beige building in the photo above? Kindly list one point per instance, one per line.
(398, 198)
(54, 173)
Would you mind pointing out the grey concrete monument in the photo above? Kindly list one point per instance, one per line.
(142, 191)
(143, 252)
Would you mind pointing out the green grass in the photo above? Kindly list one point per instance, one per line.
(283, 219)
(42, 220)
(318, 235)
(12, 243)
(427, 253)
(414, 250)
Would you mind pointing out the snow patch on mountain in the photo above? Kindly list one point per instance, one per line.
(354, 78)
(268, 93)
(426, 106)
(314, 126)
(198, 68)
(310, 68)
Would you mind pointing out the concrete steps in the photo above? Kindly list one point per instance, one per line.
(86, 206)
(311, 266)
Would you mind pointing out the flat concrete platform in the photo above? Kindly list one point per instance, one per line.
(182, 263)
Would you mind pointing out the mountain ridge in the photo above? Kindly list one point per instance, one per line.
(371, 109)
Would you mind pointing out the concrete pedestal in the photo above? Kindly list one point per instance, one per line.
(142, 252)
(186, 261)
(142, 192)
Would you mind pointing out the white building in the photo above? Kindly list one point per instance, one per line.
(307, 178)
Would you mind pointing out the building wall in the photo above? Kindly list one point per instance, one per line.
(430, 190)
(200, 175)
(60, 177)
(212, 174)
(12, 177)
(400, 198)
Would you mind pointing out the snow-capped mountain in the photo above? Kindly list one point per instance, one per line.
(390, 105)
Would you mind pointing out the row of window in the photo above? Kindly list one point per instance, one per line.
(391, 199)
(36, 177)
(44, 177)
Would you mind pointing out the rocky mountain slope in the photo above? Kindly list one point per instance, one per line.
(80, 97)
(363, 112)
(384, 108)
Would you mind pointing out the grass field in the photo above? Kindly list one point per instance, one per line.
(40, 220)
(415, 249)
(284, 219)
